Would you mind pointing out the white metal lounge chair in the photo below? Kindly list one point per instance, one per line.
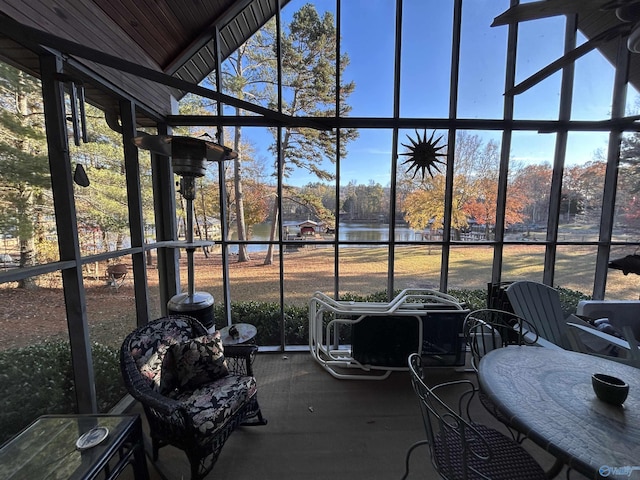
(404, 332)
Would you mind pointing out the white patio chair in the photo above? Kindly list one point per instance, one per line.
(540, 305)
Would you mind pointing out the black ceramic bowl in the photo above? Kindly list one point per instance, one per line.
(609, 389)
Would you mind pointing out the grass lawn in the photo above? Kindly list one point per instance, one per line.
(364, 271)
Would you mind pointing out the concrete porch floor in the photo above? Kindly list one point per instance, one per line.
(321, 427)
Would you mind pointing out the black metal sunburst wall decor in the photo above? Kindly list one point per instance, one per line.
(423, 154)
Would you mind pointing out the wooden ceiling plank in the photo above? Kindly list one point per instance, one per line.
(167, 19)
(207, 53)
(205, 35)
(147, 92)
(151, 43)
(195, 19)
(157, 96)
(200, 65)
(15, 29)
(186, 76)
(224, 43)
(14, 54)
(143, 29)
(81, 26)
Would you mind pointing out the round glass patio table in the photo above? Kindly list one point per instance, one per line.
(547, 395)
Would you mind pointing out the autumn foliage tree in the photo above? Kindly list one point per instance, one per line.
(582, 189)
(534, 183)
(256, 202)
(424, 207)
(628, 194)
(474, 196)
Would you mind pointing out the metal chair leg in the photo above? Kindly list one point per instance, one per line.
(407, 458)
(555, 469)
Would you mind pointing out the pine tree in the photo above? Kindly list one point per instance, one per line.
(309, 62)
(25, 187)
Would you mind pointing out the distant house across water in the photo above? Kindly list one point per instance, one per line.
(308, 228)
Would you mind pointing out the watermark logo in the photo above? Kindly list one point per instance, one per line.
(626, 471)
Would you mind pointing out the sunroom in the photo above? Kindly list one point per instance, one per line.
(527, 112)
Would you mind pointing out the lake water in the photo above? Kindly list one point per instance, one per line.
(351, 232)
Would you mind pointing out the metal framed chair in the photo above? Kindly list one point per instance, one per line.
(487, 329)
(384, 333)
(460, 449)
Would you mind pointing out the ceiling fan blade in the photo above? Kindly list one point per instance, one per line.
(540, 9)
(566, 59)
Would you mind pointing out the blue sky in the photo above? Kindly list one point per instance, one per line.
(368, 38)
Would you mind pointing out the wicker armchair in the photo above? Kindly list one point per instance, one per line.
(460, 449)
(194, 411)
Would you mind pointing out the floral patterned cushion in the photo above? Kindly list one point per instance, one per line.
(164, 332)
(210, 406)
(151, 344)
(193, 363)
(152, 368)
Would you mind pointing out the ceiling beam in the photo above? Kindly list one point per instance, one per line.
(631, 123)
(569, 58)
(542, 9)
(32, 38)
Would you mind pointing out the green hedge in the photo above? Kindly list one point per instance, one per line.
(266, 316)
(569, 299)
(37, 380)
